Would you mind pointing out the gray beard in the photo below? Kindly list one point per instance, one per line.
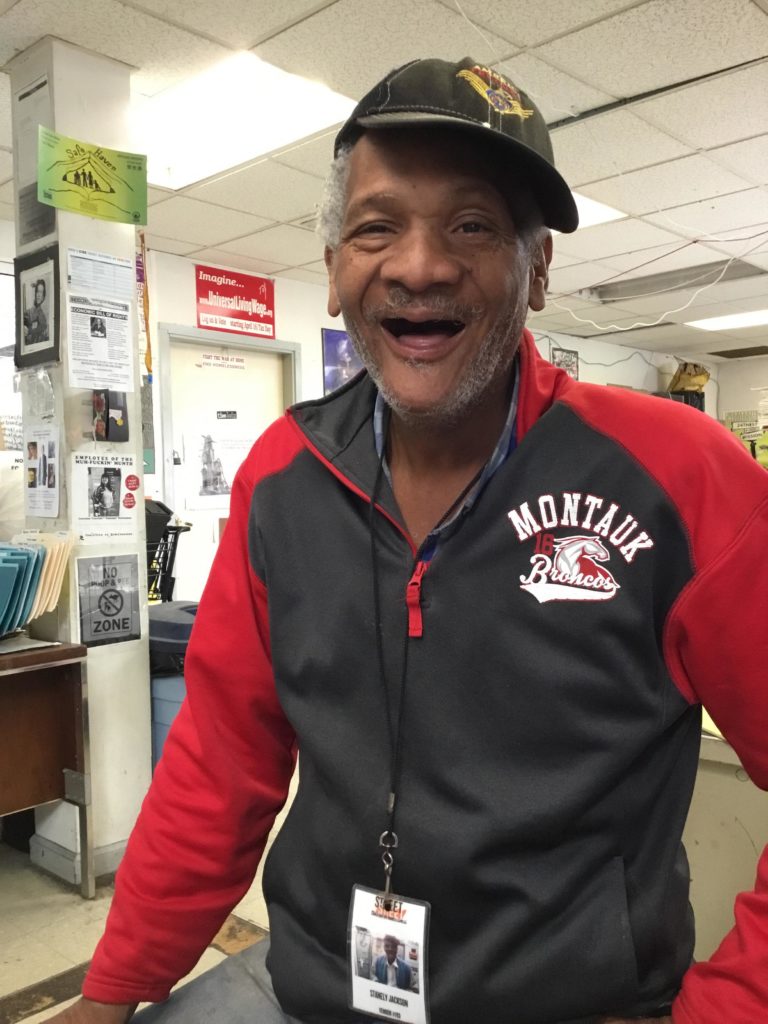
(490, 364)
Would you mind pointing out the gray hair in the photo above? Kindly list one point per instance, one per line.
(330, 214)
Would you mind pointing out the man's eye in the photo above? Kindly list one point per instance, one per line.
(473, 227)
(373, 228)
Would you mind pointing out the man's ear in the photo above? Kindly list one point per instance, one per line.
(541, 257)
(333, 300)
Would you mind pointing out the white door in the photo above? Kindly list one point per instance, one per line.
(222, 399)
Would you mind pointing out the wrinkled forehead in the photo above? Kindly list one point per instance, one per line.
(446, 154)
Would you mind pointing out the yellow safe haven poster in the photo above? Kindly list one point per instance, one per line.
(92, 180)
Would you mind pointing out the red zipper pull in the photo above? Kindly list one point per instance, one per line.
(413, 600)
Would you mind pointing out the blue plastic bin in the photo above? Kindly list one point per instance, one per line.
(170, 625)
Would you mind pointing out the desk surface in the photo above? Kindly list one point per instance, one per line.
(41, 657)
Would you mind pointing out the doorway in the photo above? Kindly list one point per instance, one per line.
(219, 392)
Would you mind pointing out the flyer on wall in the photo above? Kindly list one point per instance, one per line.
(108, 591)
(41, 455)
(86, 178)
(100, 273)
(32, 107)
(105, 497)
(211, 459)
(100, 354)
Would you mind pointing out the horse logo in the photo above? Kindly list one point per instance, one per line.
(572, 573)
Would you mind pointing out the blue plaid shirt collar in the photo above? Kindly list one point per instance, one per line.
(504, 447)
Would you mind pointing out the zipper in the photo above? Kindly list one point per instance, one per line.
(413, 600)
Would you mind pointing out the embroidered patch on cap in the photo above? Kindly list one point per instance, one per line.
(500, 93)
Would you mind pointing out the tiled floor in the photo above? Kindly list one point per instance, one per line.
(48, 933)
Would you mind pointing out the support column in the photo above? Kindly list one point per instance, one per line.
(85, 96)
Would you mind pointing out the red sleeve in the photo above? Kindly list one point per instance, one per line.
(717, 650)
(223, 777)
(715, 640)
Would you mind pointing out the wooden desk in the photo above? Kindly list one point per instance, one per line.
(44, 750)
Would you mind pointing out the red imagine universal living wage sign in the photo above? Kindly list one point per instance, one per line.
(239, 303)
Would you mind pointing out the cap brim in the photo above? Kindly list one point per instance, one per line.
(552, 193)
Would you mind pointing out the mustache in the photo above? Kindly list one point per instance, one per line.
(437, 304)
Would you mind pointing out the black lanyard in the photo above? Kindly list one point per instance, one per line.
(388, 840)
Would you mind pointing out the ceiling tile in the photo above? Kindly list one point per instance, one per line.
(650, 309)
(562, 259)
(171, 245)
(351, 45)
(158, 195)
(312, 157)
(221, 257)
(164, 53)
(612, 143)
(238, 25)
(618, 237)
(656, 43)
(570, 310)
(697, 302)
(317, 266)
(188, 220)
(748, 158)
(270, 190)
(7, 193)
(660, 259)
(720, 216)
(555, 93)
(760, 260)
(745, 243)
(672, 338)
(703, 310)
(581, 275)
(284, 243)
(512, 18)
(746, 292)
(299, 274)
(554, 324)
(714, 113)
(665, 185)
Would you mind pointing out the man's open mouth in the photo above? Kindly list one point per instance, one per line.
(400, 327)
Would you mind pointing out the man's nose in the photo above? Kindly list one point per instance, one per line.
(421, 258)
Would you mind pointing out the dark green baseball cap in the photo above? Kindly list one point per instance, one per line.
(476, 99)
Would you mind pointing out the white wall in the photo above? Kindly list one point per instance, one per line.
(601, 362)
(737, 378)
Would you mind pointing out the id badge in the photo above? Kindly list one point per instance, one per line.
(387, 944)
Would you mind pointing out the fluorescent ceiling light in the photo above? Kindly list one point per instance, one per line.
(236, 111)
(756, 318)
(591, 212)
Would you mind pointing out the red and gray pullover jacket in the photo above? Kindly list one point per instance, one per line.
(610, 578)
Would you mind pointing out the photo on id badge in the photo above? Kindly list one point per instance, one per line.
(387, 956)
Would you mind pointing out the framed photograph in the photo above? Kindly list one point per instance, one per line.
(567, 359)
(37, 307)
(340, 359)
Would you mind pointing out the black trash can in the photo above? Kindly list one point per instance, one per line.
(170, 625)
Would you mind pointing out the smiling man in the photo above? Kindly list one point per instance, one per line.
(485, 603)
